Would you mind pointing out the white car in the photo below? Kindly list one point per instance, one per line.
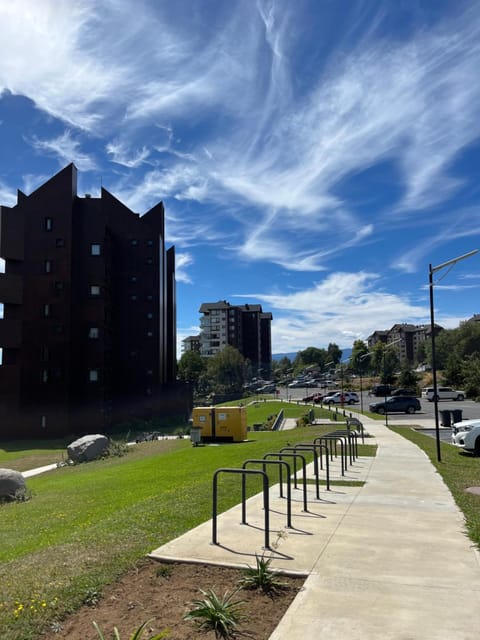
(466, 435)
(443, 393)
(347, 397)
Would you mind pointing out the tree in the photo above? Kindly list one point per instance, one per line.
(407, 379)
(334, 353)
(313, 355)
(190, 367)
(471, 375)
(359, 360)
(226, 370)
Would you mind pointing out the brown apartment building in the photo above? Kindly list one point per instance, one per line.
(88, 332)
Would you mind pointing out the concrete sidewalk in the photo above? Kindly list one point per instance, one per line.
(387, 560)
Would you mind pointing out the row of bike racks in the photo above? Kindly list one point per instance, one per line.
(348, 441)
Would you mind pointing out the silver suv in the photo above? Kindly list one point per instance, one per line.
(443, 393)
(347, 397)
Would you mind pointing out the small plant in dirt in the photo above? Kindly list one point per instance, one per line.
(164, 571)
(220, 614)
(261, 576)
(136, 635)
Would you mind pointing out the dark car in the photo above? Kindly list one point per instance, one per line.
(314, 397)
(403, 392)
(398, 404)
(381, 390)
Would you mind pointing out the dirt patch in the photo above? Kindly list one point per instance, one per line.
(164, 592)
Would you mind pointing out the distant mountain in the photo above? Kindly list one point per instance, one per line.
(279, 356)
(346, 353)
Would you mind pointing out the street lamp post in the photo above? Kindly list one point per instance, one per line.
(390, 344)
(360, 360)
(431, 271)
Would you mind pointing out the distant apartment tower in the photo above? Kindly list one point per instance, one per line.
(89, 326)
(245, 327)
(191, 343)
(407, 338)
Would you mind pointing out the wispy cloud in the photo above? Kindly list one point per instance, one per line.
(330, 310)
(67, 149)
(182, 262)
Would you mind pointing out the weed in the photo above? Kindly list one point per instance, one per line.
(220, 614)
(136, 635)
(164, 571)
(91, 597)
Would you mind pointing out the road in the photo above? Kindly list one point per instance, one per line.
(469, 408)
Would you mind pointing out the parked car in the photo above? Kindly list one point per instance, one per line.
(296, 384)
(443, 393)
(268, 388)
(403, 392)
(466, 435)
(396, 404)
(313, 397)
(381, 390)
(347, 397)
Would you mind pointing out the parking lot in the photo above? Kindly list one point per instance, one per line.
(469, 408)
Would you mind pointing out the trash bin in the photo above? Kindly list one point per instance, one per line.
(446, 418)
(456, 415)
(196, 435)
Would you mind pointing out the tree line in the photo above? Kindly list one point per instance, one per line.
(457, 357)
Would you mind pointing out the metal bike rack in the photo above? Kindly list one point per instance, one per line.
(352, 442)
(307, 446)
(279, 463)
(304, 472)
(266, 507)
(343, 449)
(315, 464)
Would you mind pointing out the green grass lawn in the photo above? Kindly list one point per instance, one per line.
(85, 525)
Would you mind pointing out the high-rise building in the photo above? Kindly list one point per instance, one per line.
(244, 327)
(88, 332)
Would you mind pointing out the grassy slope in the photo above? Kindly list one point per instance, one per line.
(87, 524)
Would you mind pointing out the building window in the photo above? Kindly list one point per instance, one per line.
(48, 224)
(149, 334)
(44, 375)
(149, 372)
(59, 329)
(93, 333)
(134, 242)
(149, 243)
(46, 310)
(133, 278)
(149, 260)
(134, 297)
(95, 249)
(47, 266)
(44, 354)
(149, 316)
(149, 297)
(94, 290)
(59, 242)
(93, 375)
(58, 286)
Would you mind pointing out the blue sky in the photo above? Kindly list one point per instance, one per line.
(313, 156)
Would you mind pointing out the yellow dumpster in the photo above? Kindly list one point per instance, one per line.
(228, 424)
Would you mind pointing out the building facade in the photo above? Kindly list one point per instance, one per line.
(88, 331)
(407, 338)
(244, 327)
